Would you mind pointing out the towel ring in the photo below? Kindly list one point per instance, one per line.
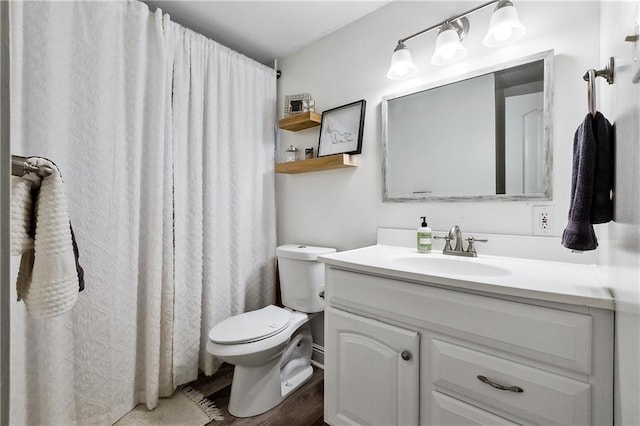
(590, 78)
(591, 91)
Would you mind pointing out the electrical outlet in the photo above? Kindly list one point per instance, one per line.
(543, 220)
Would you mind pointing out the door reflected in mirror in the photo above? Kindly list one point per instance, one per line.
(485, 135)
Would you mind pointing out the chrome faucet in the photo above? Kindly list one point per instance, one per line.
(456, 233)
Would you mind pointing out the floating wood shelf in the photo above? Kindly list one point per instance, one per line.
(338, 161)
(304, 120)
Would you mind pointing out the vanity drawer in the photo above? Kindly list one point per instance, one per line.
(546, 398)
(552, 336)
(447, 411)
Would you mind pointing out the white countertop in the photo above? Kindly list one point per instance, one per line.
(535, 279)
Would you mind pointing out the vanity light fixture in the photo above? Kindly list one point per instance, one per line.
(505, 27)
(402, 65)
(449, 48)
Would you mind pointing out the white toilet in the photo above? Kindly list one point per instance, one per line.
(271, 347)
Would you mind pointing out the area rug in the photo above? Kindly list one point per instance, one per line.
(186, 407)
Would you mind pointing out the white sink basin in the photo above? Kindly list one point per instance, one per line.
(537, 279)
(425, 263)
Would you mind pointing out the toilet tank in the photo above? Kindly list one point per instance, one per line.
(301, 276)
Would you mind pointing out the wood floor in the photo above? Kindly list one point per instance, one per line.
(304, 407)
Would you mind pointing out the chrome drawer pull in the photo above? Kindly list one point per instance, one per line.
(516, 389)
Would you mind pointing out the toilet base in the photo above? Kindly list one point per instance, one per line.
(255, 390)
(299, 379)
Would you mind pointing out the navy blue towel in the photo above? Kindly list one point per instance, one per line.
(591, 183)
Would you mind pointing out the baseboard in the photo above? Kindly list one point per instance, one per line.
(317, 356)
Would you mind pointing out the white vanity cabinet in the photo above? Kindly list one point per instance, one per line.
(404, 352)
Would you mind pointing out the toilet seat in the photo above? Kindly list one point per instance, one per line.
(251, 326)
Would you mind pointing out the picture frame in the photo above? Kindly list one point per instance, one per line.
(294, 104)
(341, 129)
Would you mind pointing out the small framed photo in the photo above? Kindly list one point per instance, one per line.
(341, 129)
(294, 104)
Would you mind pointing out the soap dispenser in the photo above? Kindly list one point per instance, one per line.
(424, 237)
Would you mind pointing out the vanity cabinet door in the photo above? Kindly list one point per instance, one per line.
(371, 371)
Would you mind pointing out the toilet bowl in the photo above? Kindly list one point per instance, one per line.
(271, 351)
(271, 347)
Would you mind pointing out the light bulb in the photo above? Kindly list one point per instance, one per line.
(502, 33)
(505, 26)
(447, 52)
(402, 65)
(448, 47)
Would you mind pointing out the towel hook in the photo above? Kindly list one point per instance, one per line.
(590, 78)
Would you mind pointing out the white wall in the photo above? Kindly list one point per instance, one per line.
(343, 208)
(620, 103)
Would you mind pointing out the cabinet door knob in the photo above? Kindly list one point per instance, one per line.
(406, 355)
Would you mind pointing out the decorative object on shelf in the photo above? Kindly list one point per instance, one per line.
(504, 28)
(294, 104)
(309, 105)
(308, 153)
(341, 129)
(291, 154)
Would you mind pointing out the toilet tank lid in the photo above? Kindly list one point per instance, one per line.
(302, 252)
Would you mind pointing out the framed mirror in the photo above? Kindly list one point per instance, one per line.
(485, 135)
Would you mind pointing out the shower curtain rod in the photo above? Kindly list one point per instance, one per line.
(20, 167)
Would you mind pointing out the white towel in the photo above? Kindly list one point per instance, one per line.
(48, 278)
(21, 216)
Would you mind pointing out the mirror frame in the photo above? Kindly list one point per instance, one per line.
(547, 58)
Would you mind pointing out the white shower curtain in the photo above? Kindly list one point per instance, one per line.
(223, 137)
(89, 92)
(160, 134)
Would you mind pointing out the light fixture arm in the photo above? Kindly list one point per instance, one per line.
(450, 20)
